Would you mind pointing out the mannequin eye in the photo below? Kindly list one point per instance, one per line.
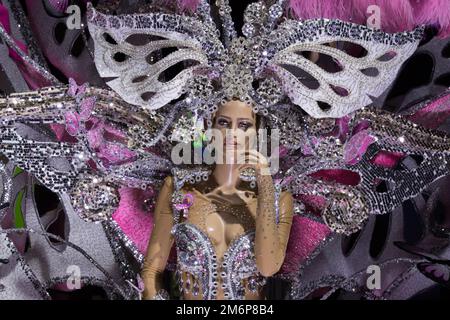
(222, 122)
(245, 125)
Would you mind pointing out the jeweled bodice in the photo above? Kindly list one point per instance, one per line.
(220, 265)
(197, 256)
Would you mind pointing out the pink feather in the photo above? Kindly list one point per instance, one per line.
(133, 219)
(433, 12)
(395, 16)
(313, 9)
(188, 5)
(306, 235)
(183, 5)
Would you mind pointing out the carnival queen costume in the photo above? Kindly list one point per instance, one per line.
(310, 71)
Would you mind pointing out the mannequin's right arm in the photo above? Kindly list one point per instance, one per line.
(160, 243)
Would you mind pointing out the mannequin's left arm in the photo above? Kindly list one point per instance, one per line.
(271, 238)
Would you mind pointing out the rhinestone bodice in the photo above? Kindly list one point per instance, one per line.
(235, 271)
(197, 256)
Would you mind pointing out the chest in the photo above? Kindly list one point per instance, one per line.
(220, 221)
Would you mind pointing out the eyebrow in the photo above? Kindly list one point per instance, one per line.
(239, 119)
(221, 116)
(246, 119)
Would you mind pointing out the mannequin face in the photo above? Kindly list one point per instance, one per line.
(237, 124)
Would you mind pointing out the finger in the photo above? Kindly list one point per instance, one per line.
(257, 158)
(253, 157)
(255, 153)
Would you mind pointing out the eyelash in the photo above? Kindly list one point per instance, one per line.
(246, 125)
(223, 123)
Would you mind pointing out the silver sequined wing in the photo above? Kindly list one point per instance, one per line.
(105, 155)
(27, 143)
(379, 162)
(151, 56)
(356, 63)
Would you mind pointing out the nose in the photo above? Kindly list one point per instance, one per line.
(231, 134)
(234, 132)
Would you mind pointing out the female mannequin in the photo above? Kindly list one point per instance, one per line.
(224, 209)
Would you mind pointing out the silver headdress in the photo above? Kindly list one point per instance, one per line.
(270, 57)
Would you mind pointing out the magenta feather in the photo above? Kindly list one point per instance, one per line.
(312, 9)
(433, 12)
(395, 16)
(183, 5)
(188, 5)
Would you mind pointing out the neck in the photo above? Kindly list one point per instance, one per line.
(227, 176)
